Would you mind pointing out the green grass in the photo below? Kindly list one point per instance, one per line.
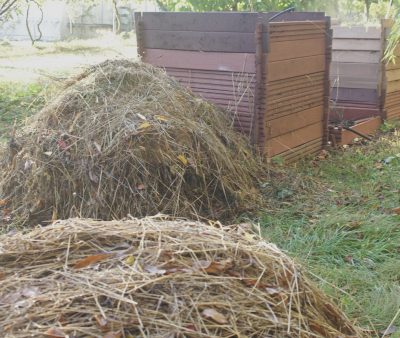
(18, 101)
(343, 229)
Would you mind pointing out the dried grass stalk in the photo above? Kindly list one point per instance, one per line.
(124, 138)
(156, 277)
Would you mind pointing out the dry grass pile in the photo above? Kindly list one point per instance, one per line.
(156, 277)
(124, 138)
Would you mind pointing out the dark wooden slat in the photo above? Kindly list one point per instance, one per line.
(228, 62)
(355, 95)
(343, 113)
(217, 21)
(201, 41)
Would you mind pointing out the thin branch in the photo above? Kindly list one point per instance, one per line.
(6, 6)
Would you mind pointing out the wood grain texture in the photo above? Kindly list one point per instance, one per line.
(358, 32)
(227, 62)
(278, 70)
(293, 139)
(217, 21)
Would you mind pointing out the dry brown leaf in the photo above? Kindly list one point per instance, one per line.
(101, 322)
(3, 203)
(214, 267)
(396, 211)
(91, 260)
(55, 333)
(113, 334)
(215, 316)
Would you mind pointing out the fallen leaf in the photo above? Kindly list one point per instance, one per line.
(349, 259)
(62, 144)
(91, 260)
(144, 126)
(111, 334)
(215, 316)
(396, 211)
(101, 322)
(3, 203)
(161, 117)
(183, 159)
(55, 333)
(29, 292)
(130, 260)
(214, 267)
(48, 153)
(190, 327)
(153, 270)
(141, 187)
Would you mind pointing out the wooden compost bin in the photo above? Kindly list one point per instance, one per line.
(364, 89)
(272, 77)
(391, 80)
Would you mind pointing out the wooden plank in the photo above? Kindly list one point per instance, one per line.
(350, 82)
(393, 75)
(353, 44)
(227, 62)
(340, 94)
(272, 113)
(360, 32)
(217, 21)
(283, 50)
(201, 41)
(392, 86)
(343, 113)
(297, 25)
(277, 37)
(296, 97)
(295, 92)
(368, 127)
(295, 82)
(279, 70)
(295, 138)
(361, 71)
(302, 151)
(356, 56)
(294, 121)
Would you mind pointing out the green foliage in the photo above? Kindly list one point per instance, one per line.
(391, 51)
(344, 230)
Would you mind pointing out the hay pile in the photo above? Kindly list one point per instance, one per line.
(156, 278)
(124, 138)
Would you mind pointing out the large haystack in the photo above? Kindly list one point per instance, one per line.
(124, 138)
(156, 278)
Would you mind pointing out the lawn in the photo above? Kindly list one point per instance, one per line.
(340, 221)
(30, 75)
